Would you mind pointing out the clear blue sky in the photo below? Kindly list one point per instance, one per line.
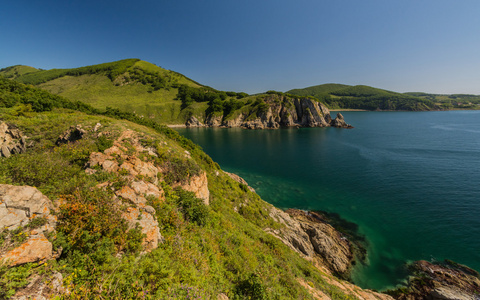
(255, 46)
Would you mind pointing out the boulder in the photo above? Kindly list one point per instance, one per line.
(73, 134)
(12, 140)
(36, 249)
(20, 204)
(339, 122)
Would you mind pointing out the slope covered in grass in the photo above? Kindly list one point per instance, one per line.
(131, 85)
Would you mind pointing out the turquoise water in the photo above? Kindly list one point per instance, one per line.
(410, 180)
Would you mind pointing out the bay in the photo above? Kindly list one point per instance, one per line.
(409, 180)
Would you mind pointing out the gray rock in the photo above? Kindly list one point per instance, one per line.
(12, 140)
(19, 204)
(73, 134)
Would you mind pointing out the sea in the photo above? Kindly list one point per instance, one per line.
(410, 181)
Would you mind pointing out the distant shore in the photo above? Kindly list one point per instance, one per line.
(347, 109)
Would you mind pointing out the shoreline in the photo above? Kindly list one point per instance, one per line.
(176, 125)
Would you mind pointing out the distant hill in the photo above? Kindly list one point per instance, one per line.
(131, 85)
(319, 91)
(17, 71)
(460, 101)
(365, 97)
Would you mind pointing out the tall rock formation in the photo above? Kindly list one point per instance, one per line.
(279, 111)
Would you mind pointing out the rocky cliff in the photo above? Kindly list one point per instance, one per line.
(274, 112)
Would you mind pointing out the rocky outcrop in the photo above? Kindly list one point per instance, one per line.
(240, 180)
(73, 134)
(19, 206)
(137, 165)
(446, 280)
(309, 235)
(280, 111)
(198, 184)
(12, 140)
(339, 121)
(193, 122)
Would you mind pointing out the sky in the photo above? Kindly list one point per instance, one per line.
(254, 46)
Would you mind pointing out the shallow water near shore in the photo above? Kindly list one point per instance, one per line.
(410, 180)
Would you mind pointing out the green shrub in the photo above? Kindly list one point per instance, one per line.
(251, 288)
(193, 208)
(180, 170)
(103, 143)
(37, 222)
(12, 279)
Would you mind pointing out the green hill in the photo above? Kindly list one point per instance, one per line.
(364, 97)
(14, 72)
(131, 85)
(318, 91)
(452, 101)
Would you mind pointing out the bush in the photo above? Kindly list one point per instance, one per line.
(193, 208)
(103, 143)
(180, 170)
(252, 288)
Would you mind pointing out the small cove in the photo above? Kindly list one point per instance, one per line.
(409, 180)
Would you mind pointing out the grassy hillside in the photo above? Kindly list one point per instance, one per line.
(17, 71)
(364, 97)
(207, 250)
(131, 85)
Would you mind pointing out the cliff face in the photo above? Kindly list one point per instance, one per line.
(277, 111)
